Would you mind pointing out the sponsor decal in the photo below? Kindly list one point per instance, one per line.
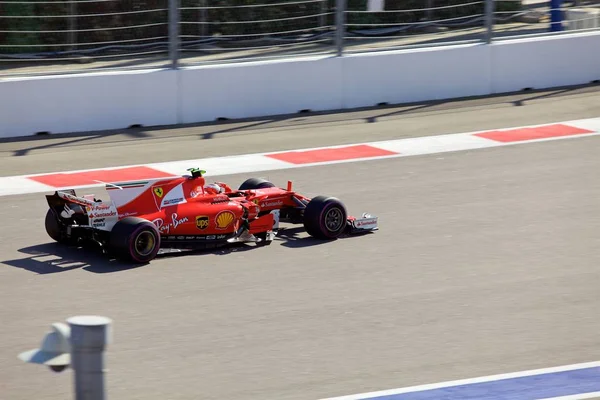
(127, 214)
(172, 197)
(159, 223)
(196, 237)
(215, 237)
(76, 200)
(224, 219)
(99, 223)
(171, 202)
(175, 222)
(202, 222)
(365, 223)
(102, 214)
(100, 210)
(158, 191)
(220, 199)
(368, 221)
(272, 203)
(97, 206)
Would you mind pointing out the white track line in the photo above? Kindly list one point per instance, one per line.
(482, 379)
(250, 163)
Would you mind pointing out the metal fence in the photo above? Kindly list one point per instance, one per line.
(53, 36)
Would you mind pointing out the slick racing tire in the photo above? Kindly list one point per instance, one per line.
(54, 229)
(134, 239)
(325, 218)
(256, 183)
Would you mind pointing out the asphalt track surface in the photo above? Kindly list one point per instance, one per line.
(486, 263)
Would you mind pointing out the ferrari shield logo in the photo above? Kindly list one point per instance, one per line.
(158, 191)
(202, 222)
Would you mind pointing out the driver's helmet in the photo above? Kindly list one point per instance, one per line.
(213, 188)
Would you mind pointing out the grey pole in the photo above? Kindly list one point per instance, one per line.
(489, 21)
(72, 25)
(340, 22)
(174, 33)
(203, 19)
(323, 18)
(89, 337)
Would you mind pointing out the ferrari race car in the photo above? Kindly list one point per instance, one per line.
(185, 212)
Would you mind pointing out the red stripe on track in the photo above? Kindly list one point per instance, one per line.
(69, 179)
(540, 132)
(333, 154)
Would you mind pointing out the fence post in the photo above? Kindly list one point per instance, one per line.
(174, 33)
(89, 337)
(203, 19)
(72, 25)
(556, 16)
(340, 22)
(489, 21)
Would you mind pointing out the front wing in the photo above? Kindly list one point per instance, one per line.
(363, 224)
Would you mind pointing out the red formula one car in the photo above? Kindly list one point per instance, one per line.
(185, 212)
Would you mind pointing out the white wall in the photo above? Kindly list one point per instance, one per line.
(540, 63)
(257, 89)
(117, 100)
(416, 75)
(87, 102)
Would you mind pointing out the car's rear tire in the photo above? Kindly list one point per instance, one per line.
(54, 229)
(256, 183)
(135, 240)
(325, 218)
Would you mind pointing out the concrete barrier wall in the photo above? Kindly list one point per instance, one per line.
(118, 100)
(260, 88)
(540, 63)
(417, 75)
(87, 102)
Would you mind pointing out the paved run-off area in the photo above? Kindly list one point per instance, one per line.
(486, 263)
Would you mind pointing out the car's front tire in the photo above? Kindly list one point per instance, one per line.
(325, 217)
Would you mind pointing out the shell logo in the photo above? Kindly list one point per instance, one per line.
(224, 219)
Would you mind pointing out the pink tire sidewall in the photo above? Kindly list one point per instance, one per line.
(322, 227)
(131, 244)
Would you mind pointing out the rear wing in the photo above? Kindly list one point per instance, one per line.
(61, 197)
(96, 214)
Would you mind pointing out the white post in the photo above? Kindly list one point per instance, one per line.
(89, 337)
